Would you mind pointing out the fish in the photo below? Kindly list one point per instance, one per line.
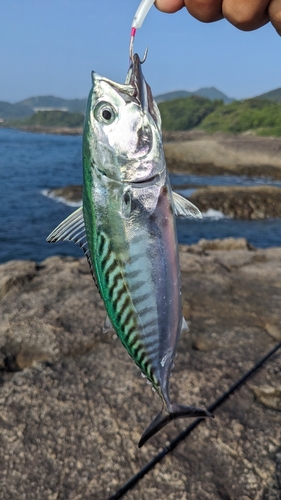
(126, 228)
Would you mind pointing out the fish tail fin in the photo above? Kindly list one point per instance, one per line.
(165, 416)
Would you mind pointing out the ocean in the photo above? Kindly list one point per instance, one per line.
(31, 164)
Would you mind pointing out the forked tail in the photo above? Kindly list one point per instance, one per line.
(165, 416)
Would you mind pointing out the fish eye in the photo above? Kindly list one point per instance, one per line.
(104, 113)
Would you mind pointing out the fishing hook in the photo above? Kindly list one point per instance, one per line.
(131, 49)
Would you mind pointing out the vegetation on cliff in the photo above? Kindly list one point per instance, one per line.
(186, 113)
(55, 118)
(261, 116)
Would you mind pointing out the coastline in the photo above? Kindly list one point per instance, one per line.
(199, 153)
(196, 152)
(39, 129)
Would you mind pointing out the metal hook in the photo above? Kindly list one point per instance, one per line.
(131, 48)
(145, 56)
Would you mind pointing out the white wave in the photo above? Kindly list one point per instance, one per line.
(60, 199)
(213, 214)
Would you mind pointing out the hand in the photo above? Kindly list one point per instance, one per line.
(246, 15)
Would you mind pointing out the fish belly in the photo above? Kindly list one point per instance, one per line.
(137, 269)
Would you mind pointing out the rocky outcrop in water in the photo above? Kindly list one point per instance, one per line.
(71, 193)
(255, 202)
(73, 405)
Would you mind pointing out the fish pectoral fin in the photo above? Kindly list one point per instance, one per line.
(165, 416)
(70, 229)
(184, 325)
(107, 325)
(73, 229)
(184, 208)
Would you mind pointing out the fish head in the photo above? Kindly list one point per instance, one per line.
(122, 132)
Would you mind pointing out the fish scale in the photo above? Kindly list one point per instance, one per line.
(127, 230)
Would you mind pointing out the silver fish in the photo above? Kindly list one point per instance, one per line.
(126, 228)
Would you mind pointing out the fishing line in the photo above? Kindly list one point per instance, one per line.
(138, 19)
(137, 477)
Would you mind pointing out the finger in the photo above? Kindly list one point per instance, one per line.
(246, 15)
(206, 11)
(169, 6)
(274, 12)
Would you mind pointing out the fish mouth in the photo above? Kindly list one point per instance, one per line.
(147, 180)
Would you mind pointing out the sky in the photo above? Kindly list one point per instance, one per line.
(49, 47)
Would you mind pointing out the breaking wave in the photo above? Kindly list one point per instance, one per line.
(214, 214)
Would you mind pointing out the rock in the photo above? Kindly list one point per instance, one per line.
(269, 396)
(69, 193)
(225, 244)
(73, 405)
(255, 202)
(274, 330)
(203, 344)
(15, 274)
(196, 152)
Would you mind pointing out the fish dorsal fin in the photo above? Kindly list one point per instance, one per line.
(73, 229)
(184, 208)
(107, 325)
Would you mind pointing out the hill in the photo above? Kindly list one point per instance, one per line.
(209, 92)
(186, 113)
(273, 95)
(170, 96)
(28, 107)
(13, 111)
(55, 118)
(261, 116)
(52, 102)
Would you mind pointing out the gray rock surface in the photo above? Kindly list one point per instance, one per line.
(216, 154)
(73, 405)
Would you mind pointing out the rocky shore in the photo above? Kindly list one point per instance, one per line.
(255, 202)
(73, 405)
(245, 154)
(40, 129)
(197, 152)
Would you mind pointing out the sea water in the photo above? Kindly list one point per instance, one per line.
(31, 164)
